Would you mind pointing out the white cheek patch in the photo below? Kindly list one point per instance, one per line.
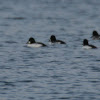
(28, 42)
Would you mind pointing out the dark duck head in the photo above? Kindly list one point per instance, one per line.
(53, 38)
(95, 33)
(31, 40)
(85, 42)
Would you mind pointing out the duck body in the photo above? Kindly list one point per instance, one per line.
(32, 43)
(95, 35)
(54, 40)
(86, 45)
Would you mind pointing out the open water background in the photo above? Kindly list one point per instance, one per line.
(56, 72)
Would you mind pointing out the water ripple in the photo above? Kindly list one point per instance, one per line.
(16, 18)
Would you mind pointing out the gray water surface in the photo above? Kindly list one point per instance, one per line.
(56, 72)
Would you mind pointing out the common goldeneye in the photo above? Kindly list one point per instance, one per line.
(32, 43)
(95, 35)
(54, 40)
(86, 45)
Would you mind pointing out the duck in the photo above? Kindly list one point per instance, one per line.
(86, 45)
(32, 43)
(95, 35)
(54, 40)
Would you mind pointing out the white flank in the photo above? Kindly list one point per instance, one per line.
(86, 47)
(34, 45)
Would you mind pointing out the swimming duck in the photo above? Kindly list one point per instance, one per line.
(32, 43)
(95, 35)
(86, 45)
(54, 40)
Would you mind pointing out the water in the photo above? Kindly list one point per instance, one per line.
(56, 72)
